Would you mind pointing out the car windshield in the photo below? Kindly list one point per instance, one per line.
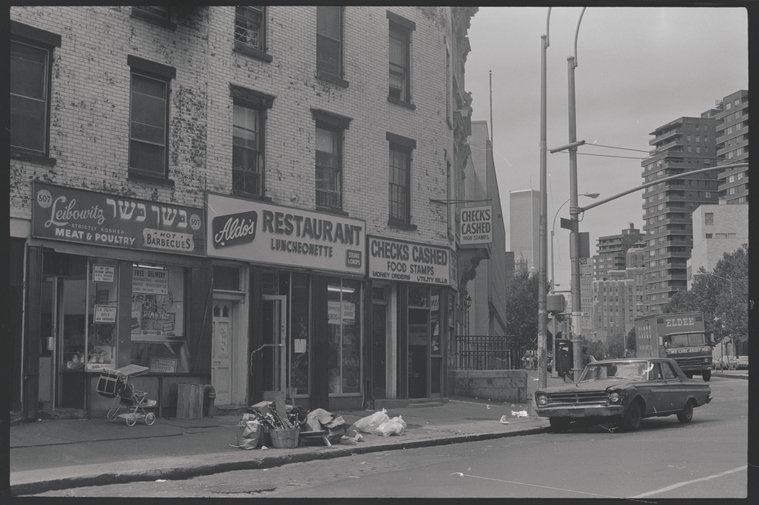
(635, 370)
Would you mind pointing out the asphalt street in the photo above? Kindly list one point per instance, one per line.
(664, 459)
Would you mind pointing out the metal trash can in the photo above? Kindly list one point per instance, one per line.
(209, 398)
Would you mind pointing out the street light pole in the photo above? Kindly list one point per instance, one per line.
(542, 314)
(553, 229)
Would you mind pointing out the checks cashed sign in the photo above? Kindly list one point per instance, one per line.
(277, 235)
(476, 225)
(398, 260)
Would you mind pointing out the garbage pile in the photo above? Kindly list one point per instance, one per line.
(256, 426)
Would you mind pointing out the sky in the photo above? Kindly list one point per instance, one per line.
(637, 69)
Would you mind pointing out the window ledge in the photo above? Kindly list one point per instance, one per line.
(34, 158)
(249, 196)
(150, 178)
(156, 20)
(331, 210)
(402, 103)
(332, 79)
(401, 225)
(250, 51)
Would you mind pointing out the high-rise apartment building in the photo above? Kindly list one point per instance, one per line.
(524, 229)
(682, 145)
(717, 229)
(612, 250)
(732, 147)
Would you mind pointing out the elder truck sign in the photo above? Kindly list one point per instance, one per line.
(476, 225)
(272, 234)
(398, 260)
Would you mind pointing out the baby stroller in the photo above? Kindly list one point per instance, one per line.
(115, 384)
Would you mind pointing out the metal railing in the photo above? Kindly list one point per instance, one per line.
(485, 352)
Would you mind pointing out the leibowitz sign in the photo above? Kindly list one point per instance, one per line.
(398, 260)
(87, 217)
(476, 225)
(272, 234)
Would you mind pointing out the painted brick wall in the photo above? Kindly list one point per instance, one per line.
(90, 107)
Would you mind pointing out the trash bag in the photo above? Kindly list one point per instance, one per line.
(248, 433)
(371, 422)
(394, 426)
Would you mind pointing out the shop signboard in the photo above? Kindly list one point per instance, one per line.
(398, 260)
(87, 217)
(476, 225)
(273, 234)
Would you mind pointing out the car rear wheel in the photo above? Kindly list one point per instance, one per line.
(559, 424)
(686, 414)
(631, 419)
(706, 374)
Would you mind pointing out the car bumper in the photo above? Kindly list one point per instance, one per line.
(581, 411)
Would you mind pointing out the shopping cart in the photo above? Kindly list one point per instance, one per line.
(115, 384)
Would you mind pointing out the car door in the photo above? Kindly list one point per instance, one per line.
(657, 389)
(674, 391)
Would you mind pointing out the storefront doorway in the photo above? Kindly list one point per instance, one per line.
(62, 354)
(223, 330)
(274, 342)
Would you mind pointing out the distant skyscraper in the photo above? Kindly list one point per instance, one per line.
(717, 229)
(524, 229)
(682, 145)
(732, 147)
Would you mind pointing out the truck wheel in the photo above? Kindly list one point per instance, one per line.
(559, 424)
(631, 420)
(685, 415)
(706, 374)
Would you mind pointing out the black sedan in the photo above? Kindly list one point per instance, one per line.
(623, 391)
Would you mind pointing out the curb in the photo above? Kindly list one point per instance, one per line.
(730, 376)
(186, 472)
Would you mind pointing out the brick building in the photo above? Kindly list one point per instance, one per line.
(236, 196)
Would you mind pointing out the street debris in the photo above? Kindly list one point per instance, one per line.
(520, 413)
(457, 474)
(503, 419)
(370, 423)
(394, 426)
(161, 480)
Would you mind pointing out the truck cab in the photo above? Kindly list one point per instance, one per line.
(692, 350)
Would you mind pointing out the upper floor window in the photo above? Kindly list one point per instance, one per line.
(250, 30)
(158, 14)
(30, 64)
(400, 179)
(708, 218)
(329, 41)
(400, 58)
(248, 119)
(330, 128)
(148, 117)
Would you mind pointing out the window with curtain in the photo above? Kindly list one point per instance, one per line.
(329, 41)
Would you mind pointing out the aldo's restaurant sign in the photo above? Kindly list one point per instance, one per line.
(398, 260)
(87, 217)
(273, 234)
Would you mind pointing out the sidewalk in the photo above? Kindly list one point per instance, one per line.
(62, 454)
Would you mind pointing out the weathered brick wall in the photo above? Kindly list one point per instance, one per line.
(90, 107)
(494, 385)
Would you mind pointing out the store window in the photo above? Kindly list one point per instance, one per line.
(300, 334)
(158, 319)
(344, 318)
(103, 311)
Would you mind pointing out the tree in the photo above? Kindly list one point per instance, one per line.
(630, 342)
(522, 307)
(721, 295)
(615, 347)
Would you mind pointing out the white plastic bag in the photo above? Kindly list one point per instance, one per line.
(394, 426)
(371, 422)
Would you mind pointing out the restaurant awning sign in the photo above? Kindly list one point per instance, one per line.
(476, 225)
(88, 217)
(274, 234)
(398, 260)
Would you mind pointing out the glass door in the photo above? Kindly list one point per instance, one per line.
(274, 340)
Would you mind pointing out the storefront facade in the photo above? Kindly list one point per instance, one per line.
(304, 289)
(412, 289)
(112, 280)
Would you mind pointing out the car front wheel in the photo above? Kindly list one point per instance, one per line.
(686, 414)
(631, 420)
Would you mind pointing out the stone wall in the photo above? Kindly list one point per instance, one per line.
(493, 385)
